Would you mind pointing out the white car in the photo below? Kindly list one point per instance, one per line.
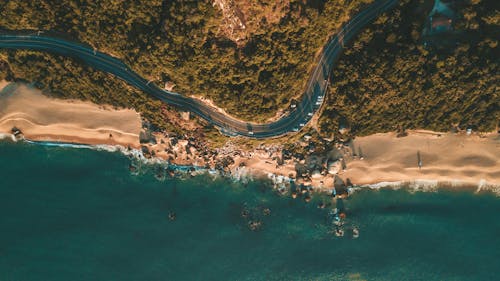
(302, 124)
(250, 133)
(295, 129)
(310, 114)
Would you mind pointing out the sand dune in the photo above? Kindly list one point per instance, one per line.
(43, 118)
(445, 157)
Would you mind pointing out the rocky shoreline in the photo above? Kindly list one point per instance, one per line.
(311, 165)
(311, 162)
(186, 156)
(296, 165)
(229, 162)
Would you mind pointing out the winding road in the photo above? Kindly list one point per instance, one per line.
(297, 117)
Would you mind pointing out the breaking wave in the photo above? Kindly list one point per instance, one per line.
(421, 185)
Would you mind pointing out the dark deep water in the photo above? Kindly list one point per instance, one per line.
(77, 214)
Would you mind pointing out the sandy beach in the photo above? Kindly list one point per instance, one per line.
(43, 118)
(445, 157)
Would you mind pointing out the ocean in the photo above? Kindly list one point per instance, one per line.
(79, 214)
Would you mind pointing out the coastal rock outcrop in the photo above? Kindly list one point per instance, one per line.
(18, 134)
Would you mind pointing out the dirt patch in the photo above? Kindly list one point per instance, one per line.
(242, 18)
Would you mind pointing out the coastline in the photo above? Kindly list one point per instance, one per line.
(280, 182)
(373, 161)
(243, 175)
(41, 118)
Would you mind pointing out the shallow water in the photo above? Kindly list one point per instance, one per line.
(78, 214)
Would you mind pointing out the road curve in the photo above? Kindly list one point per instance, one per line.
(311, 100)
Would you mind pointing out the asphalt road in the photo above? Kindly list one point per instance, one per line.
(296, 118)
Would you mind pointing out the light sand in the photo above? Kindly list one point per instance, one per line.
(445, 158)
(43, 118)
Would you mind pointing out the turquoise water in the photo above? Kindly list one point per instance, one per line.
(77, 214)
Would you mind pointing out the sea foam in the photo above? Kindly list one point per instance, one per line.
(425, 185)
(7, 136)
(418, 185)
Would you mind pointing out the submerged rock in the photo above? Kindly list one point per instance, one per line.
(132, 168)
(255, 225)
(355, 233)
(245, 213)
(172, 216)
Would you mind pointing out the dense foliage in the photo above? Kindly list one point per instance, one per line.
(64, 78)
(388, 80)
(179, 41)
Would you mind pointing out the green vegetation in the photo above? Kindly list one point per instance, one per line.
(62, 77)
(388, 80)
(178, 41)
